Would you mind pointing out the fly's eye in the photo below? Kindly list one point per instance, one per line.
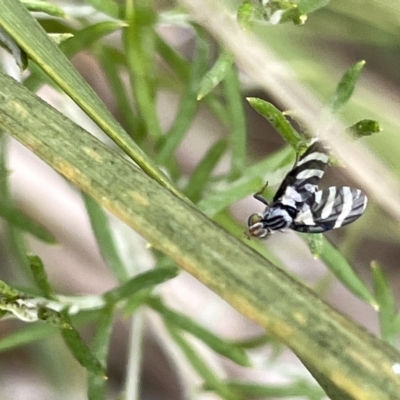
(256, 227)
(254, 219)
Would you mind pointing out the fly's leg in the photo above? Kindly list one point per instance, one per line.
(259, 195)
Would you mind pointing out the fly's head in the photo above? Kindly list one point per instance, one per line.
(276, 217)
(256, 226)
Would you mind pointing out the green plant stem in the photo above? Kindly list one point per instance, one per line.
(133, 372)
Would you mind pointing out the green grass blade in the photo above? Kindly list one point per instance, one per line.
(277, 120)
(217, 73)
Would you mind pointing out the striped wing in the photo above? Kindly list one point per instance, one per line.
(330, 209)
(302, 181)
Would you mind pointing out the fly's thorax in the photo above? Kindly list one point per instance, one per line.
(278, 217)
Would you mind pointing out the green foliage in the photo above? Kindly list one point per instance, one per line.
(202, 84)
(366, 127)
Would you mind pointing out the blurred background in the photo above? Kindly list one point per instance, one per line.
(319, 52)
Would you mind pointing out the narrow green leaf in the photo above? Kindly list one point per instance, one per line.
(220, 346)
(44, 7)
(387, 305)
(174, 59)
(96, 383)
(346, 86)
(80, 350)
(40, 276)
(237, 121)
(215, 75)
(85, 37)
(102, 231)
(201, 175)
(340, 267)
(140, 282)
(277, 120)
(188, 104)
(211, 379)
(365, 127)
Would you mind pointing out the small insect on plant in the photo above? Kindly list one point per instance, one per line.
(299, 204)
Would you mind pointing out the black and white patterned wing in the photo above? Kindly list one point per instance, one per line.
(330, 209)
(302, 181)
